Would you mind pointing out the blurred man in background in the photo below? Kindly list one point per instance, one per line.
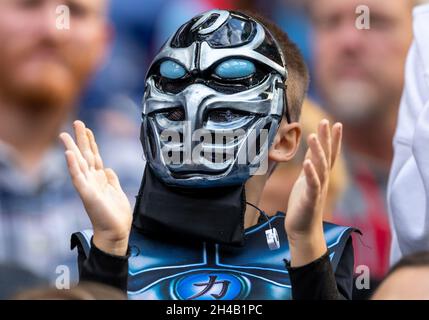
(359, 74)
(43, 68)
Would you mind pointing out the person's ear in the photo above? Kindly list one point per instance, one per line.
(286, 142)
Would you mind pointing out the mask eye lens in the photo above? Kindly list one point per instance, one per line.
(235, 69)
(172, 70)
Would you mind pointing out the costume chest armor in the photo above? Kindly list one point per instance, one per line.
(175, 270)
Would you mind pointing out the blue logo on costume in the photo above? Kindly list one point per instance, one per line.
(212, 286)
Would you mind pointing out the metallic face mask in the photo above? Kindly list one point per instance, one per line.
(214, 98)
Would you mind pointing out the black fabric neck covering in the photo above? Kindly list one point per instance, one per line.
(213, 214)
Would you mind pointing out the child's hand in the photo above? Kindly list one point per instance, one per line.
(304, 218)
(106, 204)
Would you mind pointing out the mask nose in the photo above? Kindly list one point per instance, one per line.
(193, 100)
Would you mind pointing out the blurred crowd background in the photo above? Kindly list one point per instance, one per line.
(98, 74)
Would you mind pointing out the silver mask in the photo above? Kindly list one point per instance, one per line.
(214, 98)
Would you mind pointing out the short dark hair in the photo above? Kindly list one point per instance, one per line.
(298, 76)
(417, 259)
